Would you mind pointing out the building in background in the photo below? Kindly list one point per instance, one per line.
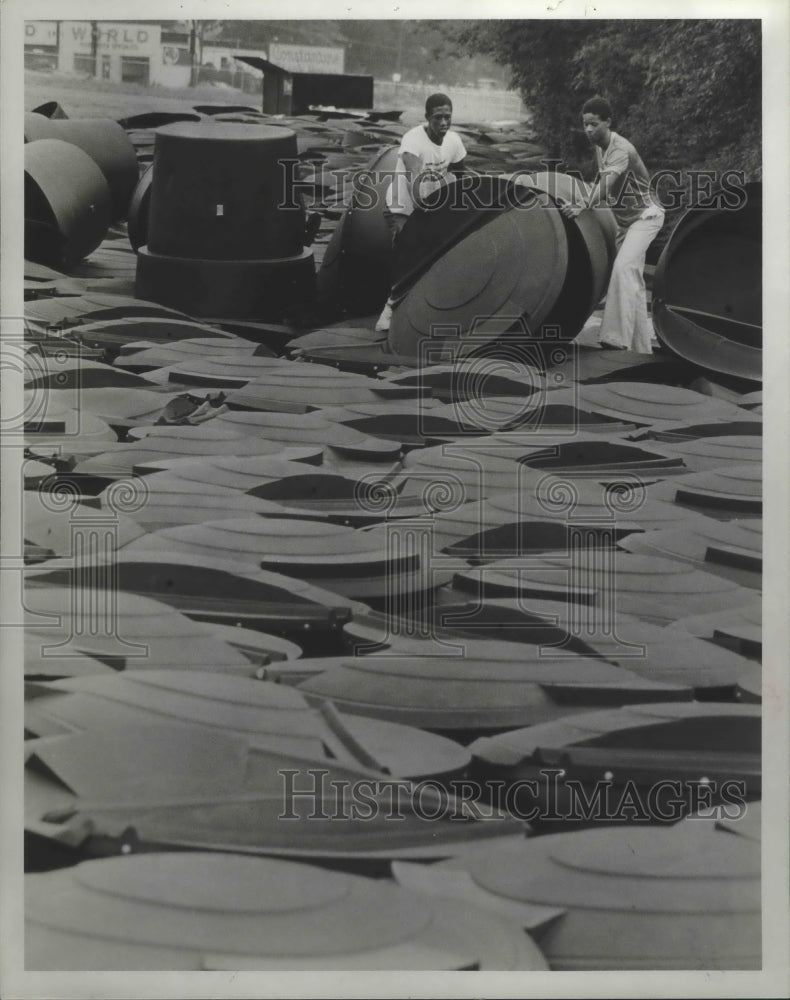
(41, 45)
(110, 50)
(133, 52)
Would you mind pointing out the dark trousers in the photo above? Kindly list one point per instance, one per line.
(396, 222)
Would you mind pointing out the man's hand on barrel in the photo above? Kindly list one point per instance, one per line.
(569, 210)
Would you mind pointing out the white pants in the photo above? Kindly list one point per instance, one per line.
(625, 319)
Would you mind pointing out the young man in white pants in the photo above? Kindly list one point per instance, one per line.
(427, 155)
(624, 185)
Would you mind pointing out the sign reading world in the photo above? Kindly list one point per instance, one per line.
(113, 36)
(306, 58)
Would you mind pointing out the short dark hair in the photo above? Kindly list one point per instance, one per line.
(437, 101)
(598, 106)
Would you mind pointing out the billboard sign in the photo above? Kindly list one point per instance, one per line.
(41, 33)
(307, 58)
(114, 36)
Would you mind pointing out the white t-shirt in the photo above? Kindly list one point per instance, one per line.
(432, 157)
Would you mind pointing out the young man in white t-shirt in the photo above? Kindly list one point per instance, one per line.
(427, 155)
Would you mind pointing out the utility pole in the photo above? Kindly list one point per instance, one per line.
(95, 47)
(396, 76)
(195, 53)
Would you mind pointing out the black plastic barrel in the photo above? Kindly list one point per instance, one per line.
(707, 289)
(225, 224)
(225, 192)
(591, 252)
(67, 203)
(104, 141)
(467, 203)
(356, 271)
(227, 289)
(498, 274)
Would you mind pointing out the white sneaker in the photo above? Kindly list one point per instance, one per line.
(383, 323)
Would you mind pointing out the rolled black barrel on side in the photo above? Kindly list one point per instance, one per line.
(465, 204)
(356, 272)
(67, 203)
(707, 289)
(591, 253)
(360, 268)
(483, 274)
(226, 224)
(104, 141)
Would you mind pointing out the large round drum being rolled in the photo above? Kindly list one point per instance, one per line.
(104, 141)
(67, 202)
(707, 289)
(454, 211)
(510, 270)
(591, 253)
(225, 192)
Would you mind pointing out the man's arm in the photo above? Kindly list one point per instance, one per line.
(600, 192)
(457, 168)
(599, 195)
(412, 166)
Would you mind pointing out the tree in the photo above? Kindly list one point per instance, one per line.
(418, 50)
(687, 92)
(260, 34)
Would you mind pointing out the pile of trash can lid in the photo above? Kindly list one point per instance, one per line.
(358, 665)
